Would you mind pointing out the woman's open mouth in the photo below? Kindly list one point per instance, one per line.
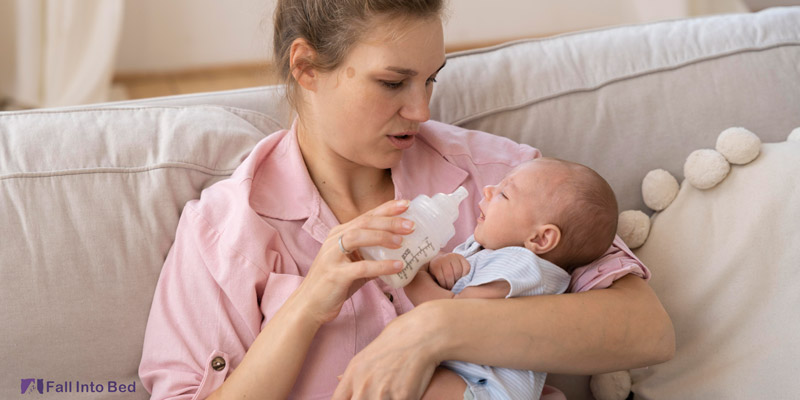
(402, 141)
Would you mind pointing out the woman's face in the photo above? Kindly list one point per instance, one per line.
(368, 111)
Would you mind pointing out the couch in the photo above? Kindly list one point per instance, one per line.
(90, 196)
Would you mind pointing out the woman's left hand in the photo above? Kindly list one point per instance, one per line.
(398, 364)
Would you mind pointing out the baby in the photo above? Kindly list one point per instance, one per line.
(544, 219)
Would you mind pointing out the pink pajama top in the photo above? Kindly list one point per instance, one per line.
(246, 244)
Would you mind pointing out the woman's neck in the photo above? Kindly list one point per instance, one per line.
(349, 189)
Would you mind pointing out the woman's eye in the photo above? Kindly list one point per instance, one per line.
(391, 84)
(430, 80)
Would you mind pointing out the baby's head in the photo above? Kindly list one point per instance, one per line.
(563, 211)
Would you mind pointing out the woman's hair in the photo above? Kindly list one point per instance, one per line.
(332, 27)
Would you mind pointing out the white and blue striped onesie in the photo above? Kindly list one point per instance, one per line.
(528, 275)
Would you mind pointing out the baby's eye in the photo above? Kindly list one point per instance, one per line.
(504, 195)
(392, 84)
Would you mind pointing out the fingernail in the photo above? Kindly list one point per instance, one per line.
(398, 265)
(408, 224)
(397, 239)
(402, 203)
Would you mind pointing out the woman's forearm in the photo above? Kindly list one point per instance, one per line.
(611, 329)
(276, 356)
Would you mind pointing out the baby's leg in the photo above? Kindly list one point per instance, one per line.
(445, 384)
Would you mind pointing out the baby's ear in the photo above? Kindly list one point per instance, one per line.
(543, 239)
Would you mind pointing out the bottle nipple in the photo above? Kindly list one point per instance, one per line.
(448, 203)
(459, 195)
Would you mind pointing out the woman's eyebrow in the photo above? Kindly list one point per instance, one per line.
(409, 71)
(402, 71)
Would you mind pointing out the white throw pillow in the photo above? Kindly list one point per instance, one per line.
(726, 265)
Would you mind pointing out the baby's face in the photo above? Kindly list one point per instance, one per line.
(523, 200)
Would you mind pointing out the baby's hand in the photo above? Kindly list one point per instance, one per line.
(448, 268)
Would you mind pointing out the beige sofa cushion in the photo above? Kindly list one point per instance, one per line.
(725, 264)
(90, 201)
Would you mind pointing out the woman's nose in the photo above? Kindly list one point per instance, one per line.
(417, 107)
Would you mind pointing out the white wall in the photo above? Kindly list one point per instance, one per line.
(163, 35)
(183, 34)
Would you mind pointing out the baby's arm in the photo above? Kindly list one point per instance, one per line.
(448, 268)
(423, 288)
(434, 280)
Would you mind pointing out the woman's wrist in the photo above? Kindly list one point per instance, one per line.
(304, 311)
(439, 330)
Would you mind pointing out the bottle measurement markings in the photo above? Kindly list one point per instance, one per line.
(411, 257)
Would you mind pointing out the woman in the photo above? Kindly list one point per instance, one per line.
(263, 279)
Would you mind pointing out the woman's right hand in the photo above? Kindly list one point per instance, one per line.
(334, 276)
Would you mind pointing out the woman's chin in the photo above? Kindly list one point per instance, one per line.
(388, 161)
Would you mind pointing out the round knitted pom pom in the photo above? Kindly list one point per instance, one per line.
(633, 227)
(794, 136)
(611, 386)
(705, 168)
(738, 145)
(659, 188)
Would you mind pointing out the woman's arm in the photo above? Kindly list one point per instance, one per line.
(618, 328)
(613, 329)
(278, 353)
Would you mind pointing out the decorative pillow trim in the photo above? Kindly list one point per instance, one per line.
(704, 169)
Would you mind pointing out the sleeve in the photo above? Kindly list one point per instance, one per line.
(205, 313)
(617, 262)
(527, 274)
(494, 383)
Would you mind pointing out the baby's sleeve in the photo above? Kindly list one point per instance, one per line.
(527, 274)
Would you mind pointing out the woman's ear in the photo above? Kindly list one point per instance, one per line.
(543, 239)
(301, 56)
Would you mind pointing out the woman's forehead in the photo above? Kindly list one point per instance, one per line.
(405, 48)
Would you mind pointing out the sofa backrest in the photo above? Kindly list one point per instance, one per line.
(90, 196)
(623, 100)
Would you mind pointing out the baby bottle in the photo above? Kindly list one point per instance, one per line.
(433, 227)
